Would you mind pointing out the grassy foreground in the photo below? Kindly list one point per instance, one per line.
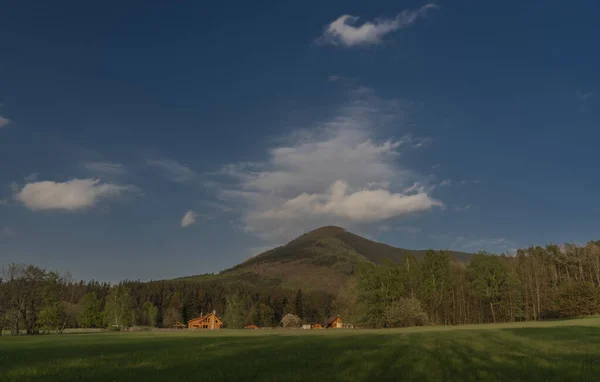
(548, 351)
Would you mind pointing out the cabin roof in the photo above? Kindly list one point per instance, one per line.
(331, 319)
(202, 318)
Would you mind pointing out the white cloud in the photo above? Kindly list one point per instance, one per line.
(173, 170)
(76, 194)
(336, 172)
(4, 122)
(360, 206)
(446, 183)
(189, 218)
(344, 31)
(437, 165)
(105, 168)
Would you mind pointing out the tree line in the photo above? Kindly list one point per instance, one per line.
(34, 300)
(534, 284)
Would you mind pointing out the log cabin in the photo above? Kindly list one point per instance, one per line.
(209, 321)
(333, 322)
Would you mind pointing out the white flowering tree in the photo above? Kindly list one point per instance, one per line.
(291, 321)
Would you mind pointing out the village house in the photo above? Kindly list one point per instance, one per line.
(333, 322)
(179, 325)
(209, 321)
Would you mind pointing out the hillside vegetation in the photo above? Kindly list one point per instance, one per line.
(323, 259)
(323, 273)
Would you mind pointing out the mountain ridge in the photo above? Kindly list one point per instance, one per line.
(321, 259)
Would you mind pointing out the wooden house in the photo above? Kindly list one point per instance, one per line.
(209, 321)
(333, 322)
(251, 327)
(179, 325)
(316, 326)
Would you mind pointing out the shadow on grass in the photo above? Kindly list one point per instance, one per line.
(561, 353)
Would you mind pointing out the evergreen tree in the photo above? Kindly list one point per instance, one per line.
(299, 304)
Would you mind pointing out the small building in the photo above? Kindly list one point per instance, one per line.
(333, 322)
(179, 325)
(251, 327)
(209, 321)
(316, 326)
(306, 326)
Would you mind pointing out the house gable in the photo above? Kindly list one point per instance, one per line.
(209, 321)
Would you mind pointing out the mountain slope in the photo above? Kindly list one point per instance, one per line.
(322, 259)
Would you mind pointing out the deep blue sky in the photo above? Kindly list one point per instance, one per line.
(467, 125)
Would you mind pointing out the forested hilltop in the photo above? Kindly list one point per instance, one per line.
(411, 288)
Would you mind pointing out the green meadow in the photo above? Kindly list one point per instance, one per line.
(544, 351)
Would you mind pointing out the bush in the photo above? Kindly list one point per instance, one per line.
(405, 312)
(291, 321)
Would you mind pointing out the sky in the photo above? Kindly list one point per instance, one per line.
(151, 140)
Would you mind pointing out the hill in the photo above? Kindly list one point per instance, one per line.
(322, 259)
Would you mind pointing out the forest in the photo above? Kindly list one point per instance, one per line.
(536, 283)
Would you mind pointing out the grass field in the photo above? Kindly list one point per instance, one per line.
(546, 351)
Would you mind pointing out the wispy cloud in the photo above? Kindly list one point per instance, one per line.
(105, 168)
(173, 170)
(463, 208)
(4, 121)
(335, 172)
(189, 218)
(388, 228)
(583, 95)
(489, 244)
(437, 165)
(221, 207)
(31, 177)
(446, 183)
(344, 32)
(76, 194)
(193, 217)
